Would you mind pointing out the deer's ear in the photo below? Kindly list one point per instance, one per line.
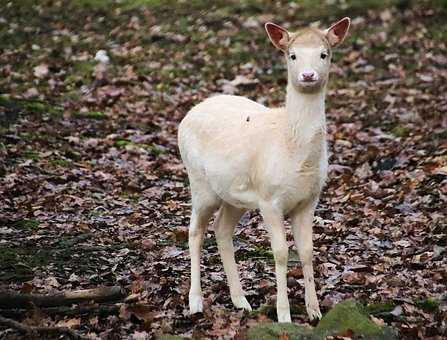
(278, 35)
(338, 31)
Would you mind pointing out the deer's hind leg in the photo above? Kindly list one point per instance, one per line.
(224, 225)
(204, 203)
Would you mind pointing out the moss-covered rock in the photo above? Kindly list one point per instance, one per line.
(272, 331)
(348, 318)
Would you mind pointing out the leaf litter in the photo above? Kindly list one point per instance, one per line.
(89, 113)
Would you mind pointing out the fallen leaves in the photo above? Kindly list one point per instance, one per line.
(94, 161)
(141, 312)
(70, 323)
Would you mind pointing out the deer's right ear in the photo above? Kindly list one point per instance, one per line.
(278, 35)
(337, 32)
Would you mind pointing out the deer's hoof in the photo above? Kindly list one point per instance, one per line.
(241, 302)
(314, 312)
(195, 304)
(284, 315)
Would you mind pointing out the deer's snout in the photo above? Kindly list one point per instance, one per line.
(308, 76)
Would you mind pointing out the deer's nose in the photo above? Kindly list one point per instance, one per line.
(308, 75)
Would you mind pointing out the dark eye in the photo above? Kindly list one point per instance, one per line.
(323, 55)
(293, 56)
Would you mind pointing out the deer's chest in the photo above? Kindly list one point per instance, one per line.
(295, 177)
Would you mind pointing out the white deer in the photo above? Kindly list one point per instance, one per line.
(241, 155)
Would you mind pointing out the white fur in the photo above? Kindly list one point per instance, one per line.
(241, 155)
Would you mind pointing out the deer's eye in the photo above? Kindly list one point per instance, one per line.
(293, 56)
(323, 55)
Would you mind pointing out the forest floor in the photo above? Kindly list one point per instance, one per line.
(93, 191)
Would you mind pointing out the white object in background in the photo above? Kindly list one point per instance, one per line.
(102, 57)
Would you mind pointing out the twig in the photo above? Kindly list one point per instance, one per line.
(103, 294)
(31, 330)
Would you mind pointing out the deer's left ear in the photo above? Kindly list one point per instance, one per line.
(337, 32)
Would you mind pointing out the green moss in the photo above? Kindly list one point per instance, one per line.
(60, 162)
(6, 101)
(11, 268)
(17, 264)
(270, 311)
(379, 308)
(101, 4)
(122, 142)
(26, 224)
(35, 136)
(83, 69)
(30, 106)
(132, 197)
(90, 115)
(70, 241)
(429, 304)
(400, 131)
(55, 111)
(42, 108)
(72, 154)
(154, 149)
(32, 155)
(256, 251)
(442, 4)
(35, 107)
(267, 310)
(272, 331)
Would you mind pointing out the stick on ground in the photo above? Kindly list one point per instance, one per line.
(103, 294)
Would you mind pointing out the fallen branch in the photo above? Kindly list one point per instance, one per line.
(100, 310)
(103, 294)
(32, 330)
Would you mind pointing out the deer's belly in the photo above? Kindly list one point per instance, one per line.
(285, 192)
(237, 191)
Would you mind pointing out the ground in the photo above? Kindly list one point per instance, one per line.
(94, 192)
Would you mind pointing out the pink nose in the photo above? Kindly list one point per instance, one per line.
(308, 76)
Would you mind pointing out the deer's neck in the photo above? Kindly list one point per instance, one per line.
(306, 114)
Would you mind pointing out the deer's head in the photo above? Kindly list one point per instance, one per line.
(308, 52)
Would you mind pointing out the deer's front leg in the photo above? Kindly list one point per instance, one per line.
(302, 233)
(275, 224)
